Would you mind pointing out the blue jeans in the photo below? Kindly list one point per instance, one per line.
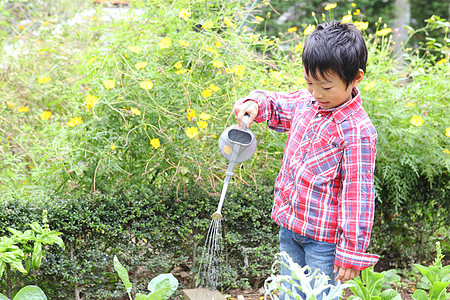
(306, 251)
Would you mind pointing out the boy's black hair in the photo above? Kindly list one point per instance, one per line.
(335, 47)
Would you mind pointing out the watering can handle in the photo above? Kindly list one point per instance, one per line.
(245, 120)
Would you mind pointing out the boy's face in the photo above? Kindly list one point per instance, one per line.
(331, 91)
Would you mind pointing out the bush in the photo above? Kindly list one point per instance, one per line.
(151, 231)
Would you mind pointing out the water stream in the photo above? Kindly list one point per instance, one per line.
(211, 264)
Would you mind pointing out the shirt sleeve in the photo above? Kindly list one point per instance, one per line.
(276, 108)
(356, 205)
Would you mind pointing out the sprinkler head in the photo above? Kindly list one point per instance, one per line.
(217, 216)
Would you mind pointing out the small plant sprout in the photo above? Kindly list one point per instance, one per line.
(312, 284)
(161, 287)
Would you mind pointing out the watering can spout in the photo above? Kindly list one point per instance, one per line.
(217, 216)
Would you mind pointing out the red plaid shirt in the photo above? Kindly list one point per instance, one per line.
(325, 188)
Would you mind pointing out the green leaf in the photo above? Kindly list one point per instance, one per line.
(444, 274)
(2, 268)
(140, 296)
(391, 276)
(438, 290)
(358, 288)
(162, 286)
(123, 274)
(420, 295)
(18, 266)
(37, 256)
(390, 294)
(3, 297)
(427, 272)
(36, 227)
(30, 292)
(375, 284)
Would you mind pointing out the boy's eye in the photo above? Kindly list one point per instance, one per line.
(329, 88)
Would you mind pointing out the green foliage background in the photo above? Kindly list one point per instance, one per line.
(110, 190)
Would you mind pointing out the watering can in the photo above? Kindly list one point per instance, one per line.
(236, 145)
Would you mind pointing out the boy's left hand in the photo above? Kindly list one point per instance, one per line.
(345, 274)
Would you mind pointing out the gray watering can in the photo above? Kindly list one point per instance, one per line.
(236, 145)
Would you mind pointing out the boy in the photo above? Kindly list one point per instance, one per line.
(324, 193)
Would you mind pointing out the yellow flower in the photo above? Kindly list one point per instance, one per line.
(353, 4)
(184, 14)
(202, 124)
(140, 65)
(384, 31)
(270, 42)
(90, 101)
(46, 115)
(301, 80)
(446, 151)
(330, 6)
(228, 22)
(182, 71)
(206, 93)
(74, 122)
(214, 88)
(309, 29)
(212, 51)
(178, 65)
(191, 132)
(135, 49)
(447, 132)
(92, 60)
(165, 43)
(135, 111)
(191, 114)
(263, 82)
(361, 25)
(292, 29)
(357, 12)
(113, 147)
(22, 109)
(109, 84)
(204, 116)
(217, 64)
(146, 85)
(208, 25)
(10, 104)
(299, 47)
(259, 19)
(371, 85)
(410, 104)
(442, 61)
(416, 120)
(347, 19)
(217, 44)
(155, 143)
(183, 43)
(239, 70)
(44, 80)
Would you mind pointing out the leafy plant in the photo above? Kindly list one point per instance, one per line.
(26, 246)
(161, 287)
(27, 293)
(368, 286)
(438, 277)
(312, 284)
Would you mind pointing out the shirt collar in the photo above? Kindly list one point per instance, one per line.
(342, 112)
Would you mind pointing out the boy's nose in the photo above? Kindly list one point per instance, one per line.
(316, 94)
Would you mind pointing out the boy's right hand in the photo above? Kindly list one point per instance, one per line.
(249, 107)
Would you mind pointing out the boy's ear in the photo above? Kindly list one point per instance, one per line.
(358, 78)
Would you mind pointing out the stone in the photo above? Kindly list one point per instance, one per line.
(203, 294)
